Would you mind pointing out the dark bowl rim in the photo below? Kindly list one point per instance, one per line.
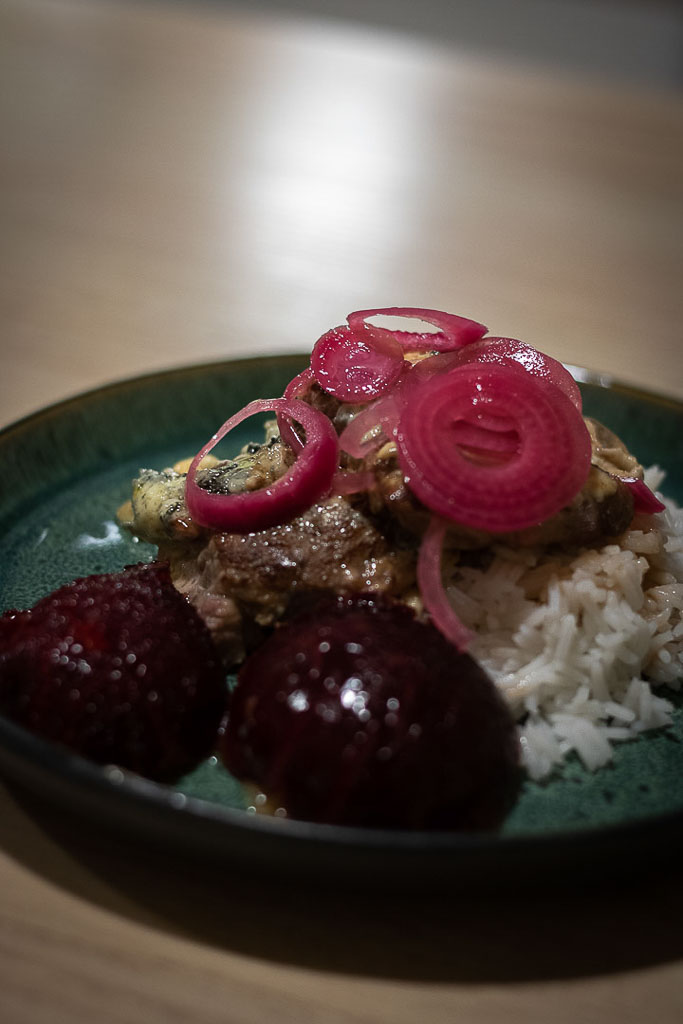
(18, 746)
(580, 373)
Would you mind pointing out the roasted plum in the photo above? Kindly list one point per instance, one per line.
(355, 712)
(118, 668)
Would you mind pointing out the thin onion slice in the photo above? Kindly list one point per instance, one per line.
(347, 481)
(433, 366)
(645, 502)
(306, 482)
(297, 386)
(510, 350)
(488, 432)
(548, 468)
(432, 589)
(373, 426)
(356, 368)
(452, 331)
(485, 440)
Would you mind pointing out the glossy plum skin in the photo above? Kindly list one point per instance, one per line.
(356, 713)
(118, 668)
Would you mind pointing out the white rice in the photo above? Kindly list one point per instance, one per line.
(579, 643)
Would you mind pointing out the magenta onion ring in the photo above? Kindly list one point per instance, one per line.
(510, 350)
(548, 468)
(432, 366)
(645, 502)
(432, 590)
(453, 331)
(485, 440)
(297, 386)
(373, 426)
(363, 435)
(356, 367)
(352, 481)
(306, 482)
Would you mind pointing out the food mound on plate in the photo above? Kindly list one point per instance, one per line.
(454, 473)
(431, 570)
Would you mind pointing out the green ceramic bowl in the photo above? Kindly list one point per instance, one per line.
(65, 471)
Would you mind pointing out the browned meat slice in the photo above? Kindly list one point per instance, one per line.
(603, 508)
(242, 584)
(610, 453)
(239, 583)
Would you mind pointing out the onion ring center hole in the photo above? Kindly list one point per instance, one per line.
(403, 324)
(485, 441)
(247, 436)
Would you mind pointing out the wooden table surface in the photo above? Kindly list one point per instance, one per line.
(182, 183)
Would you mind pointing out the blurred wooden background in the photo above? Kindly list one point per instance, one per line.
(184, 182)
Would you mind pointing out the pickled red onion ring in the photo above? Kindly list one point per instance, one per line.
(306, 482)
(547, 469)
(355, 367)
(373, 426)
(434, 365)
(432, 589)
(510, 350)
(351, 481)
(297, 386)
(453, 331)
(645, 502)
(485, 441)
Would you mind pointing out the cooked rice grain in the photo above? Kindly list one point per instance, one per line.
(577, 642)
